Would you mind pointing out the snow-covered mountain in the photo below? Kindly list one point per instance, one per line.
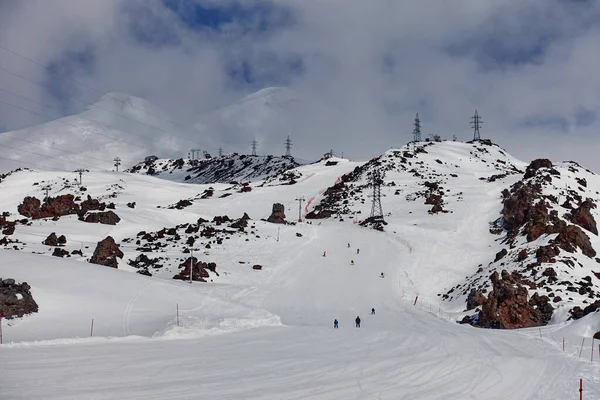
(269, 116)
(118, 125)
(454, 214)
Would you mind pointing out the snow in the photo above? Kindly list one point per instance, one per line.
(268, 334)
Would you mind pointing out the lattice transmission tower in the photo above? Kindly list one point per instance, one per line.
(288, 146)
(254, 146)
(376, 209)
(476, 123)
(417, 129)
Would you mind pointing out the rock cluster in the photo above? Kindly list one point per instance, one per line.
(198, 268)
(16, 299)
(54, 207)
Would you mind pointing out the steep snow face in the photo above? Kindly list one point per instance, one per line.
(226, 169)
(118, 125)
(269, 116)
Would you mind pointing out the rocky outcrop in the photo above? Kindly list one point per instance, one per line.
(571, 238)
(106, 253)
(535, 165)
(583, 217)
(577, 312)
(54, 207)
(58, 252)
(278, 214)
(507, 306)
(16, 299)
(104, 217)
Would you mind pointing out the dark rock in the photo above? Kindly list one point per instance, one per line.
(278, 214)
(506, 306)
(577, 313)
(104, 217)
(51, 240)
(54, 207)
(106, 253)
(501, 254)
(556, 299)
(522, 255)
(571, 238)
(90, 204)
(257, 267)
(131, 205)
(583, 217)
(58, 252)
(536, 165)
(546, 254)
(16, 299)
(475, 299)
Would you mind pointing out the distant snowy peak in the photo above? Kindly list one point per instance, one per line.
(118, 125)
(232, 168)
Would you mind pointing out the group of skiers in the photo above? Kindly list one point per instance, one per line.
(356, 320)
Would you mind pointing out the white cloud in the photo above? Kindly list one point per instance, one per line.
(376, 62)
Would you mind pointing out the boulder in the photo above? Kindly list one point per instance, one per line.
(571, 238)
(58, 252)
(51, 240)
(278, 214)
(583, 217)
(104, 217)
(16, 299)
(257, 267)
(106, 253)
(90, 204)
(500, 255)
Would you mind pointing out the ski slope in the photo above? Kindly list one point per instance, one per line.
(268, 334)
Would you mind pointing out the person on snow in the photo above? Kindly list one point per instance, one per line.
(357, 320)
(324, 254)
(382, 275)
(348, 245)
(372, 311)
(357, 251)
(351, 262)
(335, 323)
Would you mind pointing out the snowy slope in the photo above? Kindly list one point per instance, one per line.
(292, 351)
(118, 125)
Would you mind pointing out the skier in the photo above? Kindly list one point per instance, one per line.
(324, 254)
(351, 262)
(382, 275)
(357, 251)
(348, 245)
(335, 323)
(357, 320)
(372, 311)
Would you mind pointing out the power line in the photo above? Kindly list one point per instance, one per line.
(117, 161)
(87, 86)
(376, 209)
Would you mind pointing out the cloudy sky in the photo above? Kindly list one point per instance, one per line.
(528, 66)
